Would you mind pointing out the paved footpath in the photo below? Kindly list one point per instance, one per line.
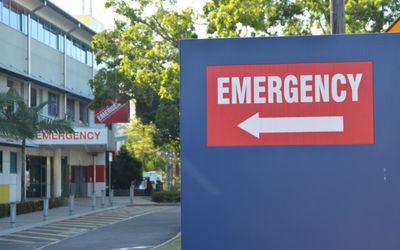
(83, 207)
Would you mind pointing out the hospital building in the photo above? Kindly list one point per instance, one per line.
(45, 55)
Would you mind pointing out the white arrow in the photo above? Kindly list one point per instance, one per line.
(256, 125)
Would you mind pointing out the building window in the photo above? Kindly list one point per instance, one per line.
(24, 23)
(70, 110)
(1, 162)
(11, 88)
(83, 113)
(13, 162)
(15, 16)
(61, 42)
(89, 58)
(33, 97)
(40, 31)
(11, 14)
(5, 12)
(68, 47)
(54, 104)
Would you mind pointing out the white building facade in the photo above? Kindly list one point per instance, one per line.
(45, 55)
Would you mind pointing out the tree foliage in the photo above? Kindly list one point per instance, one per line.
(140, 58)
(233, 18)
(141, 144)
(140, 55)
(125, 169)
(20, 121)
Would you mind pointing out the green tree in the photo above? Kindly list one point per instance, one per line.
(233, 18)
(22, 122)
(9, 127)
(140, 58)
(125, 169)
(141, 144)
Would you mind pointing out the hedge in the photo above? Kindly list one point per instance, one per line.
(32, 206)
(166, 196)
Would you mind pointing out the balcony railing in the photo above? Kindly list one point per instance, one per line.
(75, 124)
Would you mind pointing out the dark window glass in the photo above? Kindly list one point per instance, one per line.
(1, 162)
(70, 110)
(33, 97)
(13, 162)
(53, 106)
(83, 113)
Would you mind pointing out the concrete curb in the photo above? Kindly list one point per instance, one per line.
(168, 241)
(43, 223)
(156, 205)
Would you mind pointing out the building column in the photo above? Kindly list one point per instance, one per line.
(57, 173)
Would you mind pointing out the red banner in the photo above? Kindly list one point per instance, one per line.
(115, 113)
(290, 104)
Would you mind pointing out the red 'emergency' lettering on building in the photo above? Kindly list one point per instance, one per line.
(83, 135)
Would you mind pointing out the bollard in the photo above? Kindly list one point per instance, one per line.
(45, 208)
(103, 197)
(13, 213)
(131, 194)
(71, 204)
(93, 201)
(110, 197)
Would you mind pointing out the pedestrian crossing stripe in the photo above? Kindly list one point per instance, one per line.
(22, 235)
(93, 221)
(98, 220)
(42, 233)
(71, 225)
(54, 230)
(63, 227)
(16, 241)
(107, 217)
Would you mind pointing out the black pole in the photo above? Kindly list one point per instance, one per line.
(338, 21)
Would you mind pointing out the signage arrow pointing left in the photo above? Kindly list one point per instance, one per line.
(255, 125)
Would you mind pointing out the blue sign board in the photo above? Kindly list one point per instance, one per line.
(291, 143)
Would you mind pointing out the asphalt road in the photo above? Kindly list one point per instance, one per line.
(124, 229)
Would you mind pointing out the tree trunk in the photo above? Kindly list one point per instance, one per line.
(23, 169)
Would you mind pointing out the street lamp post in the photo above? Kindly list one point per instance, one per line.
(110, 155)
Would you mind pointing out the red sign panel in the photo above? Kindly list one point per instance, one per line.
(290, 104)
(115, 113)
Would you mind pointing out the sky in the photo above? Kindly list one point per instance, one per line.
(106, 16)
